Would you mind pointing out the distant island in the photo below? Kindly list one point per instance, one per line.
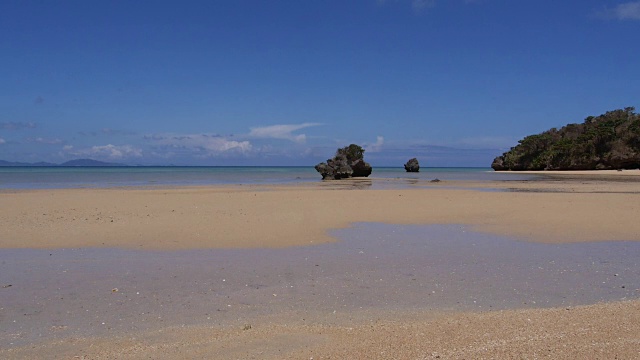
(610, 141)
(76, 162)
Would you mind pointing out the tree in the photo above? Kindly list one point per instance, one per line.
(353, 152)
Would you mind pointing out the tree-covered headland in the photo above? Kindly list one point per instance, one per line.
(608, 141)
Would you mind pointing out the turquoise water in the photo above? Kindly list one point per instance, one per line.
(102, 177)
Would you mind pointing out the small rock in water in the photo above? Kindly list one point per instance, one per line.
(435, 180)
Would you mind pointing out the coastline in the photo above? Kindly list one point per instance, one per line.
(579, 173)
(163, 220)
(288, 215)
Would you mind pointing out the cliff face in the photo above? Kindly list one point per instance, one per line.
(608, 141)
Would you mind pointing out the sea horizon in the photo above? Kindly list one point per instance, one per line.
(54, 177)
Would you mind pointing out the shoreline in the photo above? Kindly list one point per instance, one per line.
(298, 215)
(578, 173)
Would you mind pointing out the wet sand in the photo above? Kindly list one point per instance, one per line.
(281, 216)
(601, 331)
(522, 270)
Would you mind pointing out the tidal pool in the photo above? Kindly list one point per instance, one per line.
(50, 294)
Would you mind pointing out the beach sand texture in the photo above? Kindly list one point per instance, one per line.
(556, 210)
(253, 216)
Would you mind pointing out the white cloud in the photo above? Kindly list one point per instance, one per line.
(17, 125)
(2, 141)
(377, 147)
(211, 145)
(109, 151)
(109, 131)
(625, 11)
(284, 131)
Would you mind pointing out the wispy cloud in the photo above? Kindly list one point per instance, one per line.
(624, 11)
(109, 131)
(284, 132)
(17, 125)
(2, 141)
(41, 140)
(421, 5)
(111, 152)
(202, 144)
(87, 133)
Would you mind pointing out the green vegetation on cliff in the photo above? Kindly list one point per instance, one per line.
(608, 141)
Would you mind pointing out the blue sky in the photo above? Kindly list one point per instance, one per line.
(452, 82)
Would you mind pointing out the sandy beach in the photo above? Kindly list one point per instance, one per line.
(557, 210)
(603, 331)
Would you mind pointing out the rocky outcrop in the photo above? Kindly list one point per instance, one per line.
(348, 162)
(412, 165)
(336, 168)
(608, 141)
(361, 168)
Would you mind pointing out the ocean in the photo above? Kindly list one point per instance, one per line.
(145, 176)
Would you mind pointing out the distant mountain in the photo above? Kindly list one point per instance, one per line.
(77, 162)
(608, 141)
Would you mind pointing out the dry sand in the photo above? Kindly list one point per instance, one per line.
(560, 209)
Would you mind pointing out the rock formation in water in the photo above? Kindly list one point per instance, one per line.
(608, 141)
(412, 165)
(348, 162)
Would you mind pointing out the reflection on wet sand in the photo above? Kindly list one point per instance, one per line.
(376, 267)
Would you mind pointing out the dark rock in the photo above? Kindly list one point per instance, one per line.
(361, 168)
(412, 165)
(498, 164)
(435, 180)
(348, 162)
(607, 142)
